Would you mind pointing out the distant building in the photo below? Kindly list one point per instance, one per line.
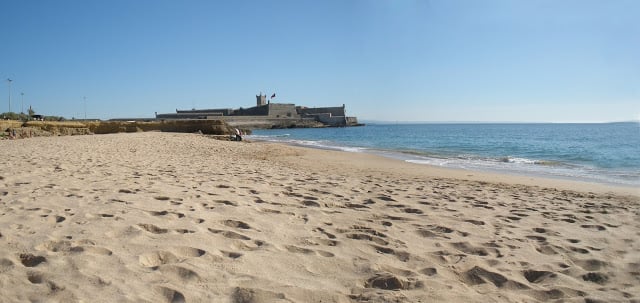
(270, 113)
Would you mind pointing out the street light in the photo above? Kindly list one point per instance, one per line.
(9, 82)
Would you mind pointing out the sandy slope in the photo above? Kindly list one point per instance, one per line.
(160, 217)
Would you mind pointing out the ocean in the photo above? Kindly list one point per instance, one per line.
(606, 153)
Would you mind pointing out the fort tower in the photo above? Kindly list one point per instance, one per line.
(261, 99)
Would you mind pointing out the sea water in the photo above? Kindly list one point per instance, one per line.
(604, 153)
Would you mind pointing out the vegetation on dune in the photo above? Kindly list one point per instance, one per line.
(28, 116)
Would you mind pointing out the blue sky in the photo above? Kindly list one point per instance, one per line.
(445, 60)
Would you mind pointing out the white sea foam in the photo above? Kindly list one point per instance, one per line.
(541, 150)
(532, 167)
(308, 143)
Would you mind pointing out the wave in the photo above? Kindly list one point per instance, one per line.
(517, 160)
(266, 137)
(501, 164)
(283, 138)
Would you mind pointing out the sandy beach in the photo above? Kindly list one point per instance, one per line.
(167, 217)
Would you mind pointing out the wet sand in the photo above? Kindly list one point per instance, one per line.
(161, 217)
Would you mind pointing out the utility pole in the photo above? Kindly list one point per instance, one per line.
(85, 107)
(22, 103)
(9, 82)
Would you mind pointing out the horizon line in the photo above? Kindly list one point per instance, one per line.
(492, 122)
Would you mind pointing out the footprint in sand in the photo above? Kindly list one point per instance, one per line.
(157, 258)
(306, 251)
(325, 253)
(324, 232)
(188, 252)
(250, 295)
(185, 231)
(165, 213)
(236, 224)
(594, 227)
(432, 231)
(413, 211)
(65, 246)
(30, 260)
(153, 229)
(478, 275)
(388, 281)
(299, 250)
(467, 248)
(591, 264)
(257, 244)
(227, 202)
(367, 237)
(429, 271)
(474, 222)
(171, 295)
(596, 277)
(96, 250)
(57, 219)
(180, 272)
(5, 265)
(229, 234)
(401, 255)
(538, 276)
(231, 254)
(35, 277)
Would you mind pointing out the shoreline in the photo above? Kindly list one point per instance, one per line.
(511, 177)
(521, 155)
(174, 217)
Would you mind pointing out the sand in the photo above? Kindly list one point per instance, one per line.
(161, 217)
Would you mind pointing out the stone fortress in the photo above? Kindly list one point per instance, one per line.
(270, 115)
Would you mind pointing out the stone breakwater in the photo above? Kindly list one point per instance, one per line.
(19, 129)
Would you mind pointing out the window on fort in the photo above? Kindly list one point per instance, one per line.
(288, 114)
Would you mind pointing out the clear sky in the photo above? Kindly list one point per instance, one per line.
(395, 60)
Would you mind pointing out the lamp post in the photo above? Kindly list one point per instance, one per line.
(9, 83)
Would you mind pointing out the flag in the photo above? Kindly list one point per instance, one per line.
(273, 96)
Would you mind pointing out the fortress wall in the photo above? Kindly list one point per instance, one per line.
(334, 111)
(352, 121)
(267, 123)
(220, 111)
(282, 110)
(331, 120)
(253, 111)
(271, 115)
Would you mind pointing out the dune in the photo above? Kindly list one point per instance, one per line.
(175, 217)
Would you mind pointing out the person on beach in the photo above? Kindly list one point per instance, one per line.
(238, 135)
